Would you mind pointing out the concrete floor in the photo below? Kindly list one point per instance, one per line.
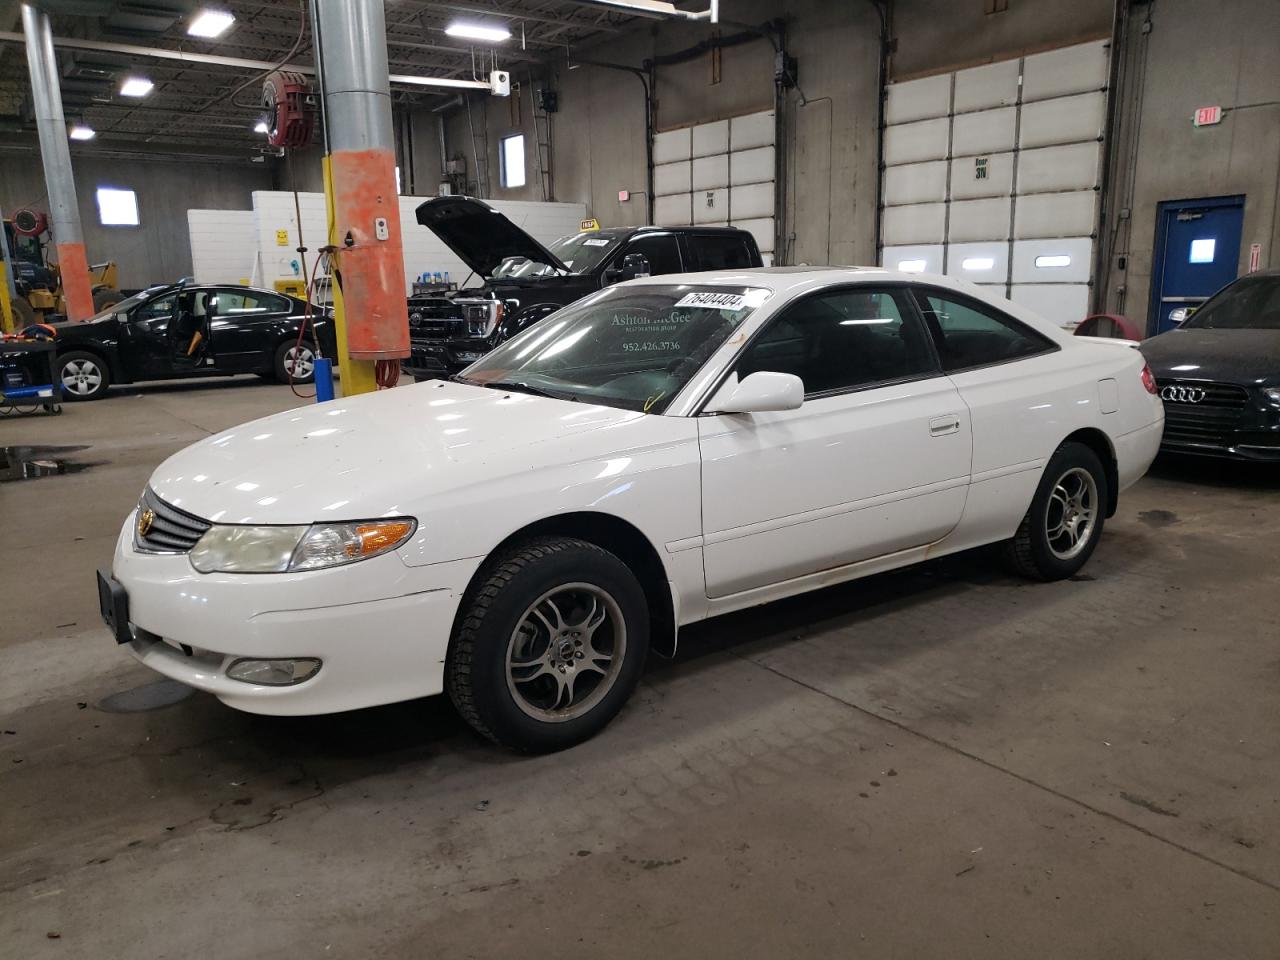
(939, 762)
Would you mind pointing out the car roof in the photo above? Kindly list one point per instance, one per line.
(623, 232)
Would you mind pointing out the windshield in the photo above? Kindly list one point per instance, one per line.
(1252, 303)
(580, 253)
(633, 347)
(124, 306)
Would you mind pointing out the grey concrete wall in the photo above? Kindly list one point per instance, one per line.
(1186, 60)
(159, 248)
(937, 35)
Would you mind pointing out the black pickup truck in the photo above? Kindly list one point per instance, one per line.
(523, 281)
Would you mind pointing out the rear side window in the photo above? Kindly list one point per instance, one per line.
(719, 252)
(971, 334)
(249, 303)
(844, 340)
(660, 249)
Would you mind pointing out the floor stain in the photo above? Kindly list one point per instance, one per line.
(32, 463)
(1158, 518)
(1148, 804)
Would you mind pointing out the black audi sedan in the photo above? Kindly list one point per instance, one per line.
(191, 330)
(1219, 373)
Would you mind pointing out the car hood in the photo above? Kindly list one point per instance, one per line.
(1233, 356)
(380, 454)
(71, 329)
(480, 235)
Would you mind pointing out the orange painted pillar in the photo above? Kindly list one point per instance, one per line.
(73, 264)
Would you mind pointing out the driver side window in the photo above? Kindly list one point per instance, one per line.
(160, 308)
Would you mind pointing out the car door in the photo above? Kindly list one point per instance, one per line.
(246, 326)
(662, 250)
(875, 461)
(719, 251)
(145, 352)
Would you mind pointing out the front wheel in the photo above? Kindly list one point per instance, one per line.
(84, 375)
(549, 645)
(1061, 529)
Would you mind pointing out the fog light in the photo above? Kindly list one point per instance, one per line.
(469, 355)
(274, 673)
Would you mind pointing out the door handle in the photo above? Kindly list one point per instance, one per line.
(941, 426)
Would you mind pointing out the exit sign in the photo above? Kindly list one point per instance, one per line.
(1207, 116)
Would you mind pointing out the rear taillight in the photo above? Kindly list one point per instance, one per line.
(1149, 380)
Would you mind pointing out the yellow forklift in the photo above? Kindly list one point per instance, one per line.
(38, 283)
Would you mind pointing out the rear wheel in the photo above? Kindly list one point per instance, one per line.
(1061, 529)
(24, 315)
(105, 297)
(295, 362)
(84, 375)
(549, 645)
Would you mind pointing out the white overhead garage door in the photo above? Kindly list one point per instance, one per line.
(718, 174)
(992, 174)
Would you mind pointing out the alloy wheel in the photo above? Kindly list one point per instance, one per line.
(565, 653)
(1072, 513)
(81, 377)
(299, 362)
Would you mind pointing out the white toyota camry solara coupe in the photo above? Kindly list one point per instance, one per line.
(663, 451)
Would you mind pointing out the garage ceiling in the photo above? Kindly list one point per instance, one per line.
(191, 104)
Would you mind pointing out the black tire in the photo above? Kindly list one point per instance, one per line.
(1032, 552)
(84, 375)
(105, 297)
(24, 315)
(499, 603)
(280, 364)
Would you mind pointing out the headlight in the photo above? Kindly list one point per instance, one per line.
(1272, 394)
(244, 549)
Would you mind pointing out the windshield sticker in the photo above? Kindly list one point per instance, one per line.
(714, 301)
(595, 243)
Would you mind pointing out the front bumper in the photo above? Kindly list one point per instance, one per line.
(442, 358)
(380, 629)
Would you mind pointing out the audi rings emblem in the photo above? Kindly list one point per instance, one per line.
(1180, 394)
(415, 319)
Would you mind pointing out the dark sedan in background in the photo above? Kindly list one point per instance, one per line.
(191, 330)
(1219, 373)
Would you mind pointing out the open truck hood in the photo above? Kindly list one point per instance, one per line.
(480, 235)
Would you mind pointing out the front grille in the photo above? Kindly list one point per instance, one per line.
(170, 531)
(1209, 421)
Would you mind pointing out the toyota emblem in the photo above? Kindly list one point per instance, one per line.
(145, 520)
(1181, 394)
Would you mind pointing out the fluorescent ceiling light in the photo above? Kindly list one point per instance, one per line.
(912, 266)
(1055, 260)
(261, 127)
(478, 31)
(210, 23)
(82, 132)
(135, 87)
(977, 263)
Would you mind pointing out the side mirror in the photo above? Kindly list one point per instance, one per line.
(760, 392)
(635, 265)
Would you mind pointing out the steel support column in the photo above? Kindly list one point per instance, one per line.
(64, 210)
(360, 187)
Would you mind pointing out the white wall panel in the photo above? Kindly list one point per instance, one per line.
(711, 172)
(1064, 71)
(991, 85)
(918, 99)
(710, 138)
(965, 183)
(1063, 120)
(914, 224)
(979, 262)
(912, 142)
(672, 145)
(1055, 215)
(224, 245)
(760, 228)
(921, 258)
(751, 131)
(751, 201)
(986, 131)
(1065, 304)
(1077, 251)
(916, 183)
(751, 166)
(673, 211)
(1070, 167)
(711, 206)
(986, 219)
(669, 178)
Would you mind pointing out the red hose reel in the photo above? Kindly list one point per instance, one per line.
(289, 106)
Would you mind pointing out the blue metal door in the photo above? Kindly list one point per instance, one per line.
(1197, 253)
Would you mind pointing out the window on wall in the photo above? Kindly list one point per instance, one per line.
(513, 161)
(117, 208)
